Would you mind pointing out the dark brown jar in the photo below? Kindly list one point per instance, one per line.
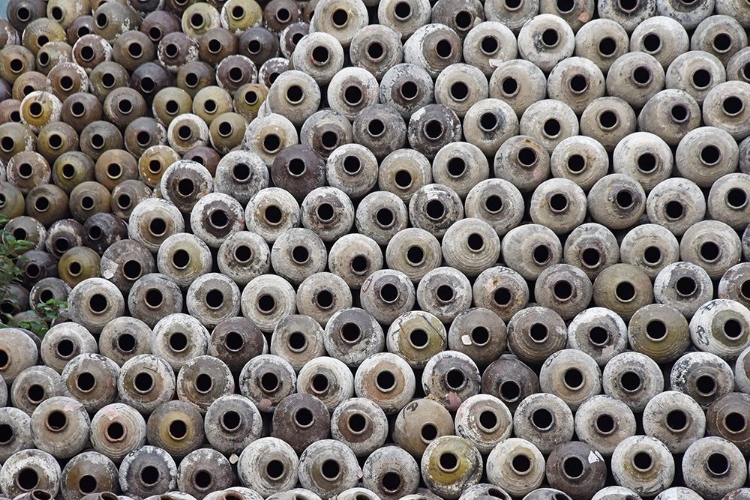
(300, 420)
(235, 341)
(576, 469)
(159, 23)
(259, 44)
(143, 133)
(80, 109)
(298, 169)
(47, 203)
(217, 44)
(98, 137)
(149, 78)
(103, 230)
(510, 379)
(727, 417)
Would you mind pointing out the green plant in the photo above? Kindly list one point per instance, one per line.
(47, 312)
(10, 273)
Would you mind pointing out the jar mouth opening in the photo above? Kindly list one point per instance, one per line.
(419, 339)
(295, 94)
(35, 394)
(433, 130)
(538, 333)
(573, 467)
(513, 5)
(445, 294)
(271, 144)
(375, 51)
(391, 482)
(489, 45)
(444, 48)
(409, 90)
(605, 424)
(656, 330)
(652, 256)
(631, 382)
(353, 94)
(590, 257)
(642, 461)
(115, 432)
(320, 55)
(415, 255)
(435, 210)
(642, 76)
(463, 20)
(275, 470)
(558, 203)
(214, 46)
(565, 6)
(510, 391)
(550, 38)
(376, 128)
(283, 15)
(647, 163)
(448, 462)
(85, 382)
(459, 91)
(402, 11)
(304, 418)
(710, 251)
(203, 480)
(510, 87)
(625, 292)
(736, 198)
(733, 329)
(28, 479)
(599, 336)
(521, 464)
(488, 421)
(385, 381)
(488, 121)
(735, 423)
(297, 342)
(455, 379)
(701, 78)
(607, 47)
(143, 383)
(389, 293)
(527, 157)
(56, 421)
(551, 128)
(677, 420)
(578, 83)
(706, 385)
(710, 155)
(573, 379)
(350, 333)
(718, 464)
(428, 432)
(480, 336)
(543, 419)
(475, 242)
(628, 6)
(732, 106)
(563, 290)
(98, 304)
(722, 42)
(608, 119)
(357, 423)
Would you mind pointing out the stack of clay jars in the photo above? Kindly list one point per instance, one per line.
(371, 249)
